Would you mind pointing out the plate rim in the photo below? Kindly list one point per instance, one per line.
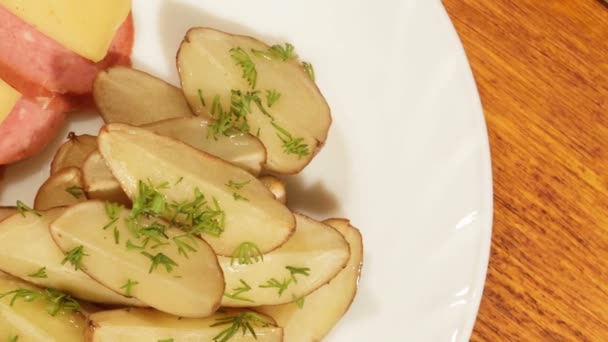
(486, 186)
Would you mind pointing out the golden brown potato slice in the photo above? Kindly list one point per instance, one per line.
(276, 186)
(127, 325)
(170, 271)
(247, 77)
(31, 321)
(241, 149)
(237, 205)
(315, 315)
(73, 152)
(99, 183)
(134, 97)
(27, 251)
(63, 188)
(7, 211)
(310, 259)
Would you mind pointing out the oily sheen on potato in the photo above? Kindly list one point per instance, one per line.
(239, 69)
(61, 189)
(247, 211)
(134, 97)
(127, 325)
(113, 250)
(313, 317)
(241, 149)
(311, 258)
(31, 321)
(276, 186)
(27, 251)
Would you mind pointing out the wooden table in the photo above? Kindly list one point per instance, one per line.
(542, 71)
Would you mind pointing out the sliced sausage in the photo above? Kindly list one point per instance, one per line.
(27, 55)
(28, 128)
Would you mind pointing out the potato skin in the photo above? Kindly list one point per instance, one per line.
(53, 193)
(126, 95)
(73, 152)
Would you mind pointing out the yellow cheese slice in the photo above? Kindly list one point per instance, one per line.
(86, 27)
(8, 99)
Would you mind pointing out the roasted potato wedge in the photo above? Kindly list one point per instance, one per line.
(247, 211)
(310, 259)
(7, 211)
(276, 186)
(134, 97)
(243, 70)
(164, 273)
(312, 318)
(99, 183)
(241, 149)
(73, 152)
(127, 325)
(63, 188)
(30, 321)
(27, 251)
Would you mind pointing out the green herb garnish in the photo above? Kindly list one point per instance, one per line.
(243, 322)
(242, 59)
(13, 338)
(234, 120)
(23, 209)
(160, 259)
(299, 301)
(195, 216)
(132, 246)
(116, 235)
(41, 273)
(75, 256)
(198, 216)
(149, 200)
(154, 232)
(183, 247)
(291, 145)
(310, 70)
(113, 211)
(222, 120)
(75, 190)
(247, 253)
(278, 52)
(272, 96)
(237, 186)
(305, 271)
(238, 197)
(280, 286)
(237, 291)
(128, 287)
(240, 103)
(201, 98)
(25, 294)
(57, 300)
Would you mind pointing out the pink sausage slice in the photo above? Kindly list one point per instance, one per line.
(27, 129)
(39, 59)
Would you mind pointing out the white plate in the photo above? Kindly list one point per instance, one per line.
(407, 158)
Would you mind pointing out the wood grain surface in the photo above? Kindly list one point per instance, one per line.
(542, 72)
